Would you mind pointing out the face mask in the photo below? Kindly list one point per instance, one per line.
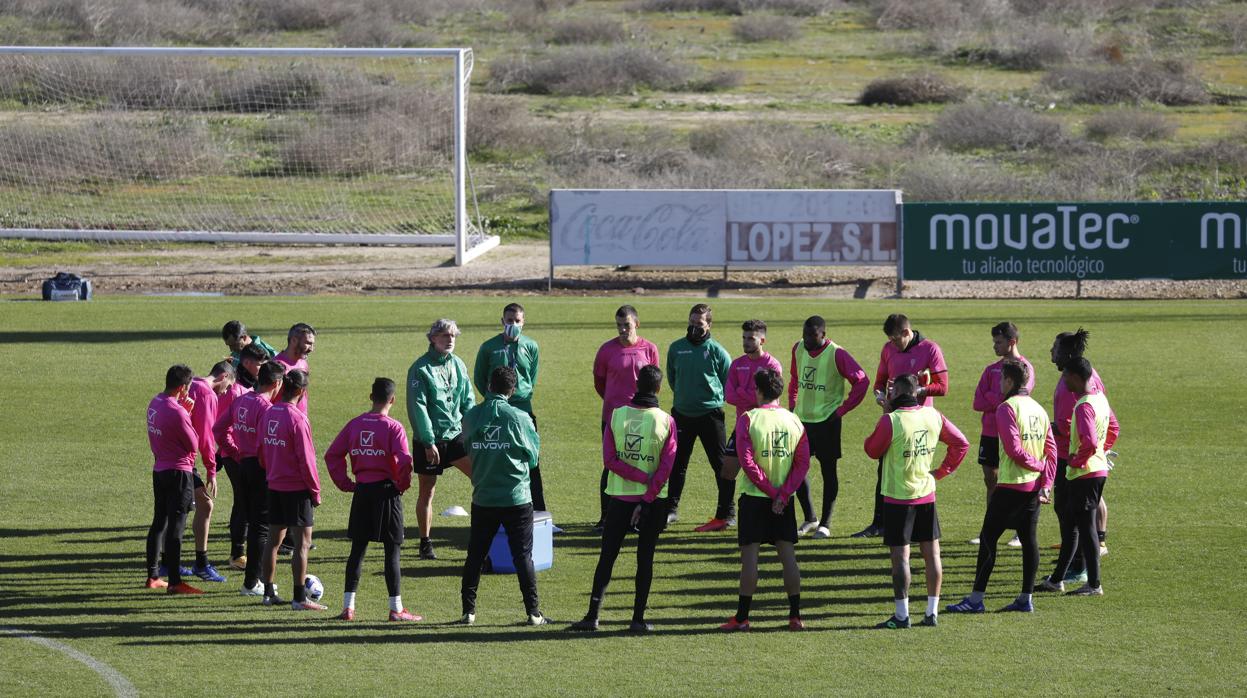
(512, 331)
(697, 334)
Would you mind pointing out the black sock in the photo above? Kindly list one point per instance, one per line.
(742, 608)
(269, 590)
(595, 607)
(794, 605)
(300, 593)
(1103, 536)
(236, 551)
(201, 558)
(424, 540)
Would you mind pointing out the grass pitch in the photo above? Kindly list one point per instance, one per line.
(75, 503)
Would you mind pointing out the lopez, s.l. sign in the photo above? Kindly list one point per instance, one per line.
(687, 227)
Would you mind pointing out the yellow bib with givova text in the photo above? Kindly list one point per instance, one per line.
(1033, 426)
(639, 438)
(775, 433)
(820, 387)
(907, 464)
(1098, 461)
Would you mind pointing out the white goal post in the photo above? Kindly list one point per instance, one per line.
(250, 145)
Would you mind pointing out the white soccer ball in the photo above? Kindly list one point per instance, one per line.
(313, 587)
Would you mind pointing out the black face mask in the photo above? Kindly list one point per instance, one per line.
(696, 334)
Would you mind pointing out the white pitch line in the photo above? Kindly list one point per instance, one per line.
(121, 685)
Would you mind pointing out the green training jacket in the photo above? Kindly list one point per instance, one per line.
(521, 355)
(696, 374)
(438, 394)
(503, 445)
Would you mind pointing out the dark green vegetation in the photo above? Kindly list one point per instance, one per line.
(75, 487)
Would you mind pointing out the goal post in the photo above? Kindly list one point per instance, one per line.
(255, 145)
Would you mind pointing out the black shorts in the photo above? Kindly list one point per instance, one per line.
(824, 438)
(756, 523)
(1083, 494)
(909, 523)
(199, 482)
(730, 448)
(172, 489)
(448, 451)
(376, 513)
(989, 452)
(287, 509)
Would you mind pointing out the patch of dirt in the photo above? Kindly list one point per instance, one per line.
(523, 268)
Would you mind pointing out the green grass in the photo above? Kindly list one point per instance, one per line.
(76, 499)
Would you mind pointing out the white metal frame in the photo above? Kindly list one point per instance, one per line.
(469, 240)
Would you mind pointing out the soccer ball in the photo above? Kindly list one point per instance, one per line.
(313, 587)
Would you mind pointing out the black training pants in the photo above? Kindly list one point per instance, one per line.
(173, 493)
(1078, 529)
(254, 491)
(355, 566)
(1005, 510)
(517, 521)
(238, 510)
(709, 429)
(618, 523)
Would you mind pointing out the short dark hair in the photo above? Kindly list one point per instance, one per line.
(1073, 344)
(502, 380)
(222, 368)
(233, 329)
(649, 379)
(300, 328)
(382, 390)
(177, 376)
(626, 311)
(1015, 371)
(815, 322)
(270, 374)
(906, 384)
(702, 309)
(1080, 367)
(513, 307)
(295, 381)
(769, 383)
(895, 323)
(1008, 330)
(253, 351)
(758, 326)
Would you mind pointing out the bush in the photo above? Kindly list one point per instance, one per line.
(378, 142)
(1129, 123)
(601, 71)
(375, 31)
(927, 14)
(1031, 47)
(920, 88)
(757, 28)
(941, 177)
(588, 30)
(99, 149)
(300, 15)
(1167, 82)
(799, 8)
(975, 126)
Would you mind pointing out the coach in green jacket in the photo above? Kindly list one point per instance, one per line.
(696, 371)
(514, 349)
(503, 446)
(438, 394)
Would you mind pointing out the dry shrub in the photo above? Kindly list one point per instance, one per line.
(499, 124)
(585, 70)
(994, 126)
(757, 28)
(1129, 123)
(301, 15)
(587, 30)
(1167, 82)
(1030, 47)
(943, 177)
(102, 149)
(377, 142)
(372, 30)
(919, 88)
(798, 8)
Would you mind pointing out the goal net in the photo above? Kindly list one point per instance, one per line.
(344, 146)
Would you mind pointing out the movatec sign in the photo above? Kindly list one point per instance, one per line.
(723, 227)
(1197, 240)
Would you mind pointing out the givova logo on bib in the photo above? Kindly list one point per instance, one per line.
(1034, 433)
(808, 374)
(918, 445)
(777, 446)
(493, 435)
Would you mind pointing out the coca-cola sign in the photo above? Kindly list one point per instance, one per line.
(722, 227)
